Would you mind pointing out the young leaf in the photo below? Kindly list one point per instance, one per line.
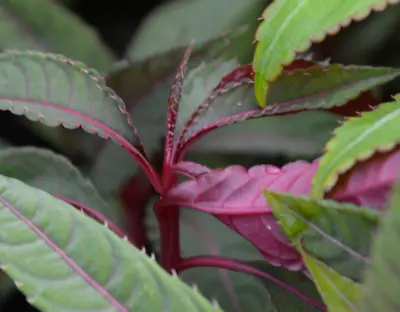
(316, 87)
(49, 254)
(278, 42)
(326, 230)
(358, 139)
(49, 27)
(339, 293)
(147, 102)
(369, 182)
(55, 90)
(379, 293)
(54, 174)
(174, 99)
(234, 196)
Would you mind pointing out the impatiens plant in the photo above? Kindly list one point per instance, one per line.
(304, 230)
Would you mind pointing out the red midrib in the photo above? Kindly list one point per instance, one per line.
(75, 267)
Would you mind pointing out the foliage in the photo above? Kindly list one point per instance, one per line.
(103, 235)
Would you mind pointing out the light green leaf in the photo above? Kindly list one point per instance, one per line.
(289, 26)
(339, 234)
(49, 27)
(64, 261)
(339, 293)
(358, 139)
(382, 281)
(56, 175)
(55, 90)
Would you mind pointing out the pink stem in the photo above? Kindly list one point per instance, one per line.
(234, 265)
(94, 214)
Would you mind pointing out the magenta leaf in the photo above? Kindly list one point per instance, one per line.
(369, 182)
(173, 107)
(234, 196)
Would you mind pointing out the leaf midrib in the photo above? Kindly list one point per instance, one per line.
(64, 257)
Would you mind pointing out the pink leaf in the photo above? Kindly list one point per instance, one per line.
(234, 195)
(369, 182)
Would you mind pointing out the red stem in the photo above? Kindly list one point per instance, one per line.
(234, 265)
(168, 222)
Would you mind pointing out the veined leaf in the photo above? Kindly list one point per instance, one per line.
(55, 90)
(358, 139)
(312, 88)
(234, 196)
(379, 293)
(54, 174)
(338, 234)
(339, 293)
(40, 253)
(289, 26)
(49, 27)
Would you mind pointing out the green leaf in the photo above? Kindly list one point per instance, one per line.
(49, 27)
(358, 139)
(339, 293)
(55, 90)
(380, 290)
(54, 174)
(176, 24)
(289, 26)
(336, 233)
(63, 260)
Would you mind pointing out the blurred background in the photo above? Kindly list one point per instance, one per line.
(137, 45)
